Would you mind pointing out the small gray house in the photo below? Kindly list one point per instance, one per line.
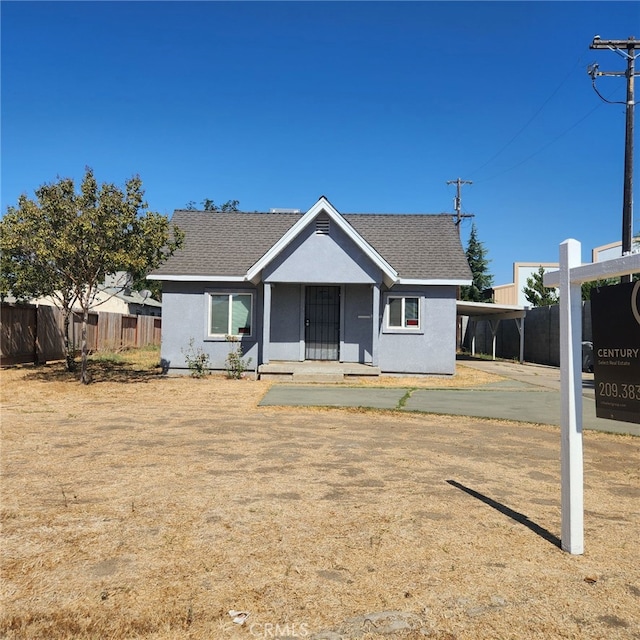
(371, 291)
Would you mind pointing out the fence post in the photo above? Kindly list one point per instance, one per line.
(571, 466)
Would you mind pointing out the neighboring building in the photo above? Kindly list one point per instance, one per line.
(370, 289)
(613, 250)
(513, 293)
(117, 296)
(128, 302)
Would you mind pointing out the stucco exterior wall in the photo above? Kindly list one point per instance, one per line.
(185, 317)
(287, 326)
(357, 339)
(286, 319)
(430, 351)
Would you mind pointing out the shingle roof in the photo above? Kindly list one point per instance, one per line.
(417, 246)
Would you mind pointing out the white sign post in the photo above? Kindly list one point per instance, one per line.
(569, 278)
(571, 463)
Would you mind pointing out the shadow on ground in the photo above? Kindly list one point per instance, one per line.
(514, 515)
(99, 371)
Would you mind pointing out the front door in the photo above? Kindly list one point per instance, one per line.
(322, 323)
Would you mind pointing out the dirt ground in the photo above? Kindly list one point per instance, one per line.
(143, 506)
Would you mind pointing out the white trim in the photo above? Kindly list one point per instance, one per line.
(239, 336)
(391, 275)
(267, 290)
(388, 328)
(419, 282)
(454, 282)
(199, 278)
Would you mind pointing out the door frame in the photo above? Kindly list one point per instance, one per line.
(303, 305)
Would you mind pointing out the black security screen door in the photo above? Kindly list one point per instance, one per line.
(322, 323)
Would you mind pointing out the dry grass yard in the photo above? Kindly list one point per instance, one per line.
(149, 507)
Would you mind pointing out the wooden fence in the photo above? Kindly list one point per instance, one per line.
(35, 333)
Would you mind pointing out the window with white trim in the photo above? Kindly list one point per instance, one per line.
(403, 312)
(230, 314)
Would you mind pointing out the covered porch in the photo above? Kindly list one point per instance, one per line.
(334, 328)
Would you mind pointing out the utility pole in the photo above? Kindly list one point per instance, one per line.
(457, 201)
(457, 205)
(626, 49)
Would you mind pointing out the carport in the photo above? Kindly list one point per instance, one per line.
(493, 314)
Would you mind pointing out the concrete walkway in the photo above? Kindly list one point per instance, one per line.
(530, 393)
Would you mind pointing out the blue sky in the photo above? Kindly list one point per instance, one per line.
(374, 104)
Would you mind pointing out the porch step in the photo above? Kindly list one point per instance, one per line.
(314, 371)
(303, 376)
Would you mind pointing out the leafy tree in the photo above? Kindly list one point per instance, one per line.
(588, 287)
(482, 279)
(63, 244)
(536, 293)
(230, 205)
(209, 205)
(153, 286)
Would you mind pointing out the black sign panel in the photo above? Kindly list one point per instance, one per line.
(615, 319)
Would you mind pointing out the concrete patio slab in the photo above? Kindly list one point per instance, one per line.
(530, 393)
(332, 396)
(533, 405)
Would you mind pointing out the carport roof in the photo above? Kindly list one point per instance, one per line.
(489, 311)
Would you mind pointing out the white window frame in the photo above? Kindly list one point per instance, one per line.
(417, 328)
(229, 294)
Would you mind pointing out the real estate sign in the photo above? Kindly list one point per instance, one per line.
(615, 319)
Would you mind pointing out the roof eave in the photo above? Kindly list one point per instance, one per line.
(455, 282)
(169, 277)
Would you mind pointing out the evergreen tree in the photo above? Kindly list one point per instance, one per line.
(536, 293)
(479, 264)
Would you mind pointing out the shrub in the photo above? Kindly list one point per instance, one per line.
(235, 364)
(197, 360)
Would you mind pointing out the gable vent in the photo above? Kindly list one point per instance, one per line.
(322, 226)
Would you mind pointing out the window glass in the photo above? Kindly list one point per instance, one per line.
(241, 314)
(230, 314)
(219, 314)
(395, 312)
(403, 313)
(411, 312)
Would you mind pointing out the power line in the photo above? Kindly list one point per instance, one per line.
(543, 147)
(532, 118)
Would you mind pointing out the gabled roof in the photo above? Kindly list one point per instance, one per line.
(408, 248)
(324, 206)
